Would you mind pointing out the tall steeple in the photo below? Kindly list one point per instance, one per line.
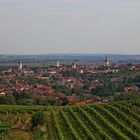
(106, 62)
(20, 65)
(57, 64)
(74, 66)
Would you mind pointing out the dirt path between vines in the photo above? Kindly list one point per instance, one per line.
(16, 134)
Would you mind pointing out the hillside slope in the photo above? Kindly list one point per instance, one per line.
(114, 121)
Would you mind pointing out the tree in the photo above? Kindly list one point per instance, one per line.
(104, 90)
(37, 119)
(26, 102)
(43, 102)
(63, 101)
(8, 99)
(21, 95)
(51, 100)
(129, 64)
(126, 96)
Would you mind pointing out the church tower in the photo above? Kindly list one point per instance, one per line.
(106, 62)
(57, 64)
(20, 65)
(74, 66)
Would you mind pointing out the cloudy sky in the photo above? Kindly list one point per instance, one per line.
(69, 26)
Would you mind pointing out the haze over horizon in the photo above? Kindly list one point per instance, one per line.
(69, 26)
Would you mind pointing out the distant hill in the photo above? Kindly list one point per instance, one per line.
(69, 57)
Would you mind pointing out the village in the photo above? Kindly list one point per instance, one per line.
(63, 84)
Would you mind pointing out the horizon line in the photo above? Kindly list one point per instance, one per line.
(39, 54)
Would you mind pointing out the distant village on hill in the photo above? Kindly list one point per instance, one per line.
(62, 84)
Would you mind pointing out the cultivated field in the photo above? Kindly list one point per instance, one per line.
(115, 121)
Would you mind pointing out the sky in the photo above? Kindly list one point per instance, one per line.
(69, 26)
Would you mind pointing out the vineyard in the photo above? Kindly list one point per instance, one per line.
(114, 121)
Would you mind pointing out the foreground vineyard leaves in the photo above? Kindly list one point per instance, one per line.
(114, 121)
